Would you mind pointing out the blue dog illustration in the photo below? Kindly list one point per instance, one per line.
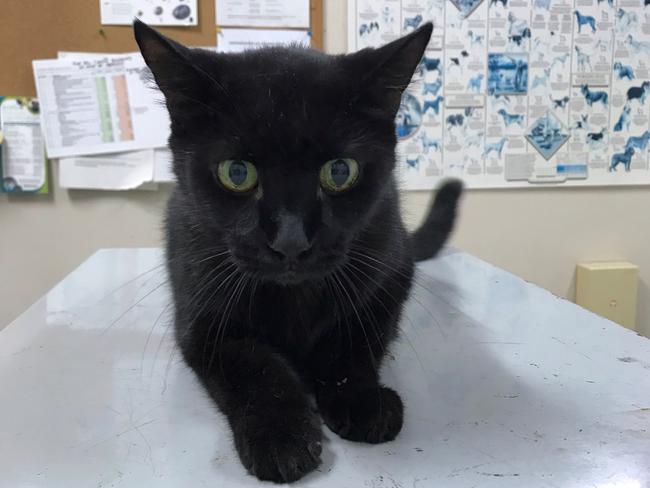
(429, 143)
(541, 80)
(625, 21)
(560, 60)
(388, 15)
(624, 158)
(503, 100)
(368, 28)
(496, 147)
(560, 103)
(596, 138)
(475, 38)
(469, 111)
(432, 104)
(412, 22)
(518, 29)
(594, 96)
(457, 62)
(638, 93)
(433, 88)
(430, 64)
(637, 47)
(455, 120)
(474, 84)
(639, 143)
(413, 163)
(582, 123)
(624, 120)
(509, 119)
(623, 71)
(582, 59)
(585, 20)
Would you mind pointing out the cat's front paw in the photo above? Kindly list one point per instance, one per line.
(367, 414)
(280, 448)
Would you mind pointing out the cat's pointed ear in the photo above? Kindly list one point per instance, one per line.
(168, 60)
(385, 72)
(178, 77)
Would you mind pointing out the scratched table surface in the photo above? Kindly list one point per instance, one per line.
(504, 385)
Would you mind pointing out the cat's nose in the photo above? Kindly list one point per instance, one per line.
(290, 241)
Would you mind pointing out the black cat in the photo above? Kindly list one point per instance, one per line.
(288, 259)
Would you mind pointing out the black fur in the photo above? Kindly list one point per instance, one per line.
(432, 235)
(264, 332)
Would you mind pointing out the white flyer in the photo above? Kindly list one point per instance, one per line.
(162, 166)
(23, 153)
(87, 55)
(99, 105)
(121, 171)
(153, 12)
(237, 40)
(263, 13)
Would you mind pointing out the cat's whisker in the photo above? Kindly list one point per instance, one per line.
(411, 296)
(339, 294)
(372, 321)
(205, 283)
(251, 297)
(172, 353)
(233, 275)
(384, 261)
(146, 343)
(221, 330)
(379, 287)
(403, 314)
(194, 300)
(158, 266)
(160, 343)
(363, 329)
(131, 307)
(223, 253)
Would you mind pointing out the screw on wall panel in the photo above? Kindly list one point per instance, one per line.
(101, 33)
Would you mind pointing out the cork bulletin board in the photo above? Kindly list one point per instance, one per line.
(38, 29)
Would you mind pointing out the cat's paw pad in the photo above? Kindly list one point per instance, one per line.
(372, 414)
(281, 452)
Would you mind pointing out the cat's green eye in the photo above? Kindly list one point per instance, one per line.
(237, 175)
(339, 174)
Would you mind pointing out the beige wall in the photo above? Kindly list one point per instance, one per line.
(538, 234)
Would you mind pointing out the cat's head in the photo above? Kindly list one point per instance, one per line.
(283, 154)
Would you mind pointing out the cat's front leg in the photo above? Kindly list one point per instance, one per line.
(350, 398)
(362, 412)
(277, 433)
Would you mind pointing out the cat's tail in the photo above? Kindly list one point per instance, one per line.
(429, 238)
